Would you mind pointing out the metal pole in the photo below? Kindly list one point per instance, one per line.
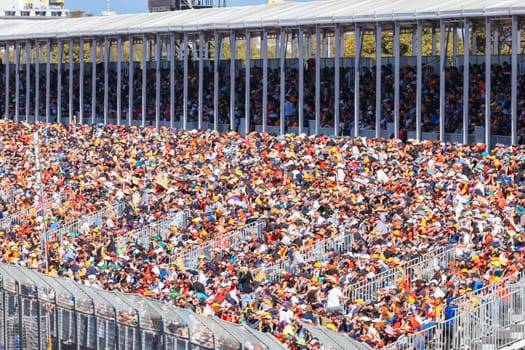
(516, 38)
(106, 78)
(93, 80)
(317, 79)
(397, 54)
(300, 103)
(233, 51)
(117, 340)
(442, 82)
(357, 58)
(419, 78)
(20, 316)
(4, 312)
(37, 81)
(28, 79)
(171, 58)
(144, 77)
(264, 49)
(157, 80)
(7, 77)
(131, 81)
(38, 319)
(337, 77)
(120, 57)
(378, 80)
(282, 83)
(70, 87)
(37, 142)
(217, 56)
(466, 78)
(48, 80)
(185, 86)
(81, 83)
(201, 80)
(17, 79)
(247, 87)
(488, 81)
(139, 329)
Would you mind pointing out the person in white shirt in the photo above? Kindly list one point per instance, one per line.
(334, 300)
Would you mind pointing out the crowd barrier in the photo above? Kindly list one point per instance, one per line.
(189, 256)
(160, 228)
(317, 252)
(94, 219)
(421, 267)
(495, 321)
(49, 313)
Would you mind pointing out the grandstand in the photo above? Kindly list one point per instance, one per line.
(157, 218)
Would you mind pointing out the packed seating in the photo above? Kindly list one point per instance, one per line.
(398, 200)
(501, 109)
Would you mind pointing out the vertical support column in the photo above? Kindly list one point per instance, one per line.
(131, 81)
(473, 40)
(397, 54)
(233, 51)
(357, 59)
(81, 83)
(516, 39)
(317, 79)
(419, 78)
(7, 77)
(70, 84)
(378, 80)
(300, 103)
(120, 58)
(28, 78)
(282, 83)
(37, 80)
(217, 55)
(106, 78)
(495, 43)
(488, 81)
(466, 79)
(247, 87)
(157, 80)
(454, 42)
(434, 39)
(201, 79)
(185, 86)
(309, 46)
(93, 80)
(17, 80)
(48, 79)
(144, 77)
(59, 80)
(442, 82)
(337, 77)
(171, 58)
(264, 49)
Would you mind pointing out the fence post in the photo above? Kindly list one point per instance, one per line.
(38, 319)
(75, 322)
(139, 329)
(57, 323)
(20, 317)
(117, 340)
(4, 311)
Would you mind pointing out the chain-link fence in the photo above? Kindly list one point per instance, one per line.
(48, 313)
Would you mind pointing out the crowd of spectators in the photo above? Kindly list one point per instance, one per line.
(400, 200)
(500, 101)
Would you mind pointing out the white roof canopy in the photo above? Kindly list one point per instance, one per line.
(288, 14)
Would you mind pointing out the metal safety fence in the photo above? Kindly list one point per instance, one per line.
(422, 267)
(22, 216)
(232, 239)
(48, 313)
(95, 219)
(495, 321)
(160, 229)
(317, 252)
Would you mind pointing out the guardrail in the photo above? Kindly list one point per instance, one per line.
(231, 239)
(420, 267)
(95, 219)
(316, 252)
(22, 216)
(496, 321)
(160, 228)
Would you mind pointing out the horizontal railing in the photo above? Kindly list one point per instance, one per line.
(160, 228)
(94, 219)
(231, 239)
(420, 267)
